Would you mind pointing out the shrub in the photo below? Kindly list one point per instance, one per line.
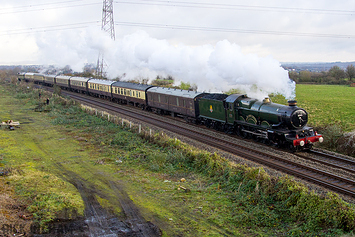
(331, 136)
(346, 143)
(335, 139)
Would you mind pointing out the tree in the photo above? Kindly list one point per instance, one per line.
(305, 76)
(337, 72)
(67, 70)
(350, 72)
(293, 75)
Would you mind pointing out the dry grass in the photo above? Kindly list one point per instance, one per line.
(13, 216)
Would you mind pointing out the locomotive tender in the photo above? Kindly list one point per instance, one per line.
(271, 123)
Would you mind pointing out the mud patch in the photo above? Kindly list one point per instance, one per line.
(98, 221)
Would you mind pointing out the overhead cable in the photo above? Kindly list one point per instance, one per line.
(237, 7)
(201, 28)
(49, 28)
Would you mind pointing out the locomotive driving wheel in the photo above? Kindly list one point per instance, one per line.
(242, 133)
(255, 137)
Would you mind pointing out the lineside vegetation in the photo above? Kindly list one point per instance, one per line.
(217, 198)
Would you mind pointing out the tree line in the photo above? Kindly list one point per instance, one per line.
(334, 76)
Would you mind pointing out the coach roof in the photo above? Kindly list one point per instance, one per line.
(130, 85)
(175, 92)
(101, 82)
(80, 79)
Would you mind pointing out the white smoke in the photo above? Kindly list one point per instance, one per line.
(213, 68)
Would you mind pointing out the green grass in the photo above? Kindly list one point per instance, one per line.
(223, 199)
(27, 152)
(326, 104)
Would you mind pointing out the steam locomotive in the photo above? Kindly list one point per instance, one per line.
(271, 123)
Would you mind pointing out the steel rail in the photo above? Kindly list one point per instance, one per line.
(325, 179)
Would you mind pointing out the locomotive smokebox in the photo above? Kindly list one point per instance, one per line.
(292, 103)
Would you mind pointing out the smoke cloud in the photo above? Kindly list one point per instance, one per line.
(213, 68)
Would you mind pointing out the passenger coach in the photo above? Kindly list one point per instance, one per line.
(49, 80)
(63, 81)
(100, 88)
(181, 103)
(79, 84)
(130, 93)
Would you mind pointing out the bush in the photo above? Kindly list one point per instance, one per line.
(346, 143)
(331, 136)
(335, 139)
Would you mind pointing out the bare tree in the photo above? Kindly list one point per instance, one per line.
(350, 72)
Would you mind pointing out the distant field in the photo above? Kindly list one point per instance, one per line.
(328, 104)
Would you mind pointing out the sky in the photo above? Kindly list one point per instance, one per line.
(220, 43)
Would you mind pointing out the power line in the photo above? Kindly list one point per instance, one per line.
(238, 7)
(201, 28)
(187, 5)
(43, 4)
(48, 8)
(48, 28)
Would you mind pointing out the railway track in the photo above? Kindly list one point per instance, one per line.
(329, 160)
(315, 175)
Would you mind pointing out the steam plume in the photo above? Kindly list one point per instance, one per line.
(217, 68)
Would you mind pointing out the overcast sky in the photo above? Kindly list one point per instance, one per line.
(68, 31)
(289, 31)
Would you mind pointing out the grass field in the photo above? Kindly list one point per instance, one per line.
(327, 105)
(223, 199)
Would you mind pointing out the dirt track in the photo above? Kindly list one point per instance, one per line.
(97, 220)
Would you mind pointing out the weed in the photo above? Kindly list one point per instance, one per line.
(224, 198)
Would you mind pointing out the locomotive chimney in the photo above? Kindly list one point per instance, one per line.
(292, 103)
(266, 100)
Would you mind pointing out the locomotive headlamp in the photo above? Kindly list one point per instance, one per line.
(301, 143)
(321, 139)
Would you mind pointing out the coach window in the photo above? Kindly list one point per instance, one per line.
(177, 101)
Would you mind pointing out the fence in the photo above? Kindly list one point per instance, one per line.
(117, 120)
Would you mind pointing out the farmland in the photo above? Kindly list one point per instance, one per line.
(67, 146)
(327, 105)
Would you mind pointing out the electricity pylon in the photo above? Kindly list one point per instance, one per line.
(107, 26)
